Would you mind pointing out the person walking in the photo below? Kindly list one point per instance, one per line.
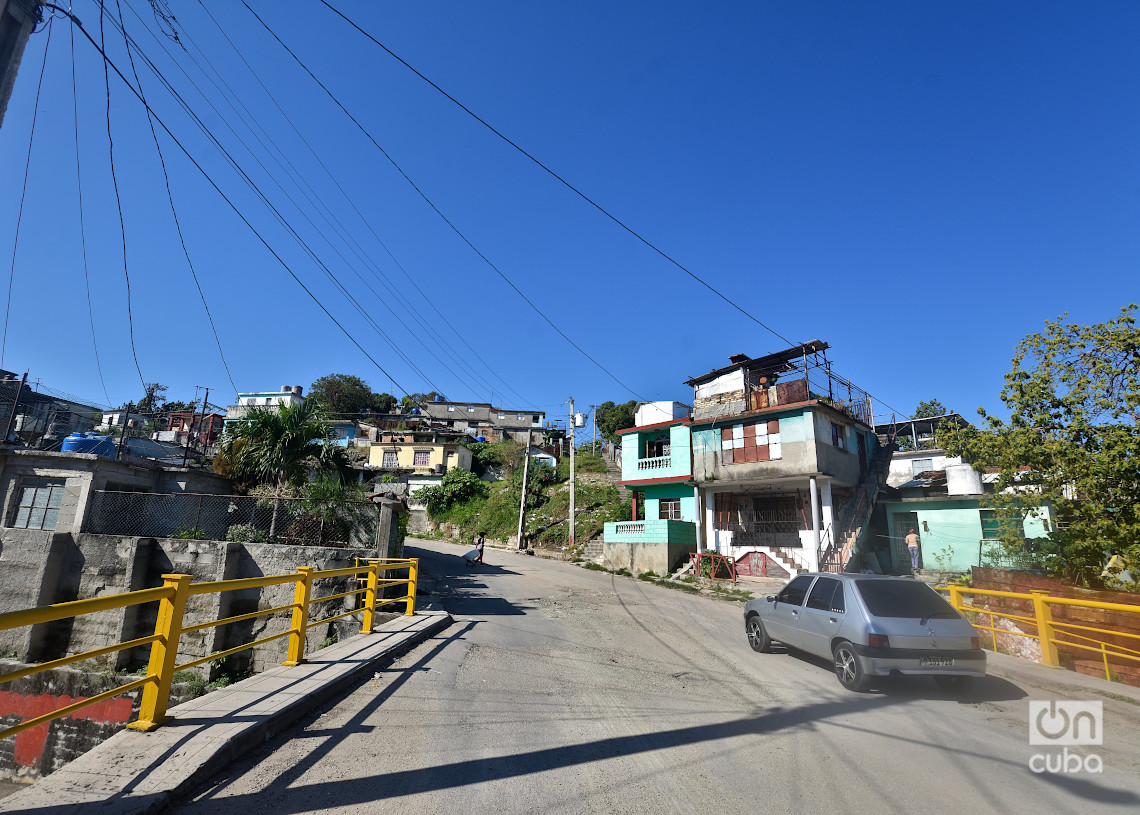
(479, 544)
(912, 547)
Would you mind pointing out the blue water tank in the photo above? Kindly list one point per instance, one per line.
(89, 443)
(480, 438)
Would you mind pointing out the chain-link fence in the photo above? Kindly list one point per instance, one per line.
(239, 518)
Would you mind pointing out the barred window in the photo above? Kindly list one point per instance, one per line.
(670, 509)
(40, 499)
(391, 459)
(421, 458)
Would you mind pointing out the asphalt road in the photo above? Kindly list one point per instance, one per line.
(559, 689)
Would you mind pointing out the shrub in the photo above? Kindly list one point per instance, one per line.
(246, 533)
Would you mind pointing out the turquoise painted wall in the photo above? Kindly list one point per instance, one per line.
(794, 427)
(952, 529)
(656, 531)
(655, 493)
(680, 459)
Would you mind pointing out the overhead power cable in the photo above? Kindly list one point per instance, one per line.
(170, 195)
(563, 181)
(265, 200)
(23, 193)
(108, 62)
(366, 222)
(560, 179)
(118, 199)
(82, 225)
(437, 210)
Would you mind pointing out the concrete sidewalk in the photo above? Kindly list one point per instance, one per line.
(143, 772)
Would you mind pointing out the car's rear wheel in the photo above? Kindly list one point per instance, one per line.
(848, 669)
(953, 684)
(757, 637)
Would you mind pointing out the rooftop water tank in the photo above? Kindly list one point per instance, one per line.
(89, 443)
(962, 479)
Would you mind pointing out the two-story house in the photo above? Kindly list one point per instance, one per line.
(657, 466)
(484, 419)
(271, 400)
(424, 457)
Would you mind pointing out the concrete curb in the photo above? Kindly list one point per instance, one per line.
(136, 773)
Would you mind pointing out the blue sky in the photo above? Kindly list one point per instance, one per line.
(920, 185)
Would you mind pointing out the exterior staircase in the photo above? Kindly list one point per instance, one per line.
(593, 551)
(852, 518)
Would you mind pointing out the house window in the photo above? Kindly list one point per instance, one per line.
(502, 416)
(391, 459)
(755, 442)
(536, 419)
(40, 499)
(994, 526)
(521, 417)
(470, 409)
(670, 509)
(421, 458)
(922, 465)
(658, 447)
(451, 408)
(839, 436)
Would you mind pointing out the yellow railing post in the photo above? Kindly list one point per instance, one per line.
(300, 627)
(1044, 617)
(955, 596)
(163, 653)
(370, 597)
(413, 571)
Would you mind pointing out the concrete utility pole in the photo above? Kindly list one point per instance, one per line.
(522, 501)
(594, 442)
(573, 420)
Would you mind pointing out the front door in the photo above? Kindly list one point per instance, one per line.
(904, 522)
(783, 623)
(861, 444)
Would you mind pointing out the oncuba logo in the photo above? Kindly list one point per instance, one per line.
(1064, 725)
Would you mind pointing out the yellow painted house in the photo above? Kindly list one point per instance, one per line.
(423, 458)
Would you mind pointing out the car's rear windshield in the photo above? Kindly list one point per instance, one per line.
(902, 598)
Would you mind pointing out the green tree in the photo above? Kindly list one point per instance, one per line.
(1071, 443)
(457, 486)
(929, 409)
(610, 418)
(281, 447)
(413, 400)
(347, 394)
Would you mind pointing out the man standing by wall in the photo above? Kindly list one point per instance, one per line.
(912, 547)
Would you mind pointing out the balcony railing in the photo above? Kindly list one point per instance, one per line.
(631, 528)
(655, 463)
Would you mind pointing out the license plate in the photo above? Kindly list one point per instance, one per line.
(936, 662)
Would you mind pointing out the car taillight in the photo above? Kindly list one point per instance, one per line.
(975, 643)
(878, 641)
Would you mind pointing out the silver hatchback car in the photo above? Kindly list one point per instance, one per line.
(869, 625)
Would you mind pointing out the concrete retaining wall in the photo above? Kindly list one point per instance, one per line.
(659, 558)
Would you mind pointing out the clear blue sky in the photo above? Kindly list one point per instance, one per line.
(918, 184)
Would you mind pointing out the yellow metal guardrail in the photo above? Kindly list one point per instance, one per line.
(168, 629)
(1049, 631)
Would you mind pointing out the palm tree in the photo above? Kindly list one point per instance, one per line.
(281, 448)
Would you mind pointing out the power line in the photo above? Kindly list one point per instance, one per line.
(253, 186)
(108, 62)
(562, 180)
(170, 198)
(23, 194)
(437, 210)
(82, 225)
(566, 183)
(118, 200)
(365, 221)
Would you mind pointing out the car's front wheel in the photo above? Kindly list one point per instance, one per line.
(848, 669)
(757, 637)
(953, 684)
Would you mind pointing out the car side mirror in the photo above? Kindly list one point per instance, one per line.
(771, 598)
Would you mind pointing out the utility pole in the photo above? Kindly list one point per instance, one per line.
(123, 435)
(190, 432)
(594, 440)
(522, 501)
(573, 420)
